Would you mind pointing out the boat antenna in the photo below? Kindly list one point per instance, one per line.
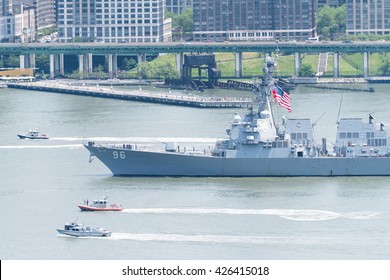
(85, 130)
(318, 119)
(314, 124)
(338, 115)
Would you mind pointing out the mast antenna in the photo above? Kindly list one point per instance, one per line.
(318, 119)
(338, 115)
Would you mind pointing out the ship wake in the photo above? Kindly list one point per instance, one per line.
(166, 237)
(71, 146)
(289, 214)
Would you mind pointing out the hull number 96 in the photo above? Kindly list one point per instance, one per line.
(117, 155)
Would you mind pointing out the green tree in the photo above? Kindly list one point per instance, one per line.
(166, 71)
(186, 21)
(12, 61)
(384, 68)
(128, 64)
(144, 70)
(362, 37)
(42, 62)
(331, 21)
(306, 71)
(183, 22)
(78, 39)
(99, 71)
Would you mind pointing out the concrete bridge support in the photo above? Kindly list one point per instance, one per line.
(141, 57)
(27, 61)
(81, 66)
(57, 64)
(336, 65)
(366, 65)
(297, 63)
(179, 63)
(90, 65)
(32, 60)
(22, 60)
(238, 64)
(85, 65)
(114, 65)
(109, 60)
(52, 66)
(62, 63)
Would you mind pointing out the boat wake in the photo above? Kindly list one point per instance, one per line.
(72, 146)
(172, 237)
(249, 239)
(289, 214)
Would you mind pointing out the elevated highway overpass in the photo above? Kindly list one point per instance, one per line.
(85, 52)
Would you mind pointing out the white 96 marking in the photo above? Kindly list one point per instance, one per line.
(117, 155)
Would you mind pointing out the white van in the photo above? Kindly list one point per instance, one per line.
(313, 40)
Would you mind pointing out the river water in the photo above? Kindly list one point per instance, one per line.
(42, 181)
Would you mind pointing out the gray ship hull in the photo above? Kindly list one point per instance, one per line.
(145, 163)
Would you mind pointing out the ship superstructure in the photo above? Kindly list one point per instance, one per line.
(257, 146)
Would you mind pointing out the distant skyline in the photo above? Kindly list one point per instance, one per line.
(368, 17)
(241, 20)
(112, 21)
(23, 1)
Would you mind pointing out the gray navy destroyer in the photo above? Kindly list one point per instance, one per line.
(256, 146)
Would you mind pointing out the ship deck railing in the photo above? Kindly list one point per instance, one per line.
(181, 151)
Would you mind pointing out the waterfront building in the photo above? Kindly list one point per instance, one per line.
(24, 22)
(5, 21)
(333, 3)
(178, 6)
(5, 7)
(368, 17)
(167, 30)
(17, 23)
(6, 27)
(45, 11)
(37, 15)
(111, 20)
(254, 20)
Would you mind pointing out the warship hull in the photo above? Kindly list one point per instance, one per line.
(147, 163)
(257, 146)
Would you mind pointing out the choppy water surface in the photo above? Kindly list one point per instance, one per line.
(42, 181)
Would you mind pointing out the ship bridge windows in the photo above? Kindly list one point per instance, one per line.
(370, 134)
(376, 139)
(349, 135)
(377, 142)
(298, 136)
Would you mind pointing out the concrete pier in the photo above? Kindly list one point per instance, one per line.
(138, 95)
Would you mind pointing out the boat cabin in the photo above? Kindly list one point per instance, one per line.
(101, 203)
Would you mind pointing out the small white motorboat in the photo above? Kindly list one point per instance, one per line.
(79, 230)
(33, 134)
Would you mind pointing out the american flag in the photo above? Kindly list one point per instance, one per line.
(283, 98)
